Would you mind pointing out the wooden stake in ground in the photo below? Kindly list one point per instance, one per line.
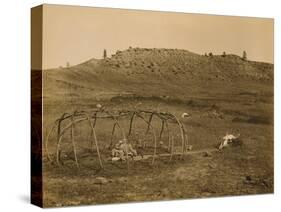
(162, 128)
(182, 134)
(154, 136)
(172, 148)
(58, 134)
(131, 124)
(95, 139)
(73, 142)
(47, 141)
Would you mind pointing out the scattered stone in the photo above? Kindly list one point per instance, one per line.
(212, 166)
(185, 115)
(58, 205)
(207, 154)
(248, 178)
(122, 180)
(100, 180)
(206, 194)
(165, 192)
(266, 182)
(74, 203)
(189, 148)
(115, 158)
(98, 106)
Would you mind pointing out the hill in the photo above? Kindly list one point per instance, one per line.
(157, 72)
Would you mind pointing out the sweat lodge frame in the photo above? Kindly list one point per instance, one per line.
(92, 117)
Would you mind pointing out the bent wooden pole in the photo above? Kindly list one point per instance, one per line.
(155, 145)
(61, 135)
(95, 139)
(123, 134)
(162, 129)
(186, 137)
(73, 142)
(154, 137)
(172, 148)
(149, 123)
(186, 142)
(118, 124)
(94, 124)
(131, 124)
(182, 134)
(62, 118)
(47, 141)
(59, 130)
(124, 137)
(169, 137)
(121, 129)
(60, 138)
(112, 134)
(58, 151)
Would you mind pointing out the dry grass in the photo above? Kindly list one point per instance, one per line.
(238, 100)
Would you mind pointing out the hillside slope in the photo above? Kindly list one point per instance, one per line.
(157, 72)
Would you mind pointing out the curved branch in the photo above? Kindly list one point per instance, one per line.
(117, 123)
(172, 148)
(95, 138)
(154, 135)
(112, 133)
(62, 132)
(94, 125)
(169, 138)
(124, 136)
(47, 141)
(182, 134)
(131, 124)
(149, 123)
(58, 135)
(162, 129)
(73, 142)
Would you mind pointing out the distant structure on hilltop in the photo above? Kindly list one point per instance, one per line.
(104, 54)
(244, 57)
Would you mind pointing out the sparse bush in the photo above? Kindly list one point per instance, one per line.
(223, 54)
(210, 54)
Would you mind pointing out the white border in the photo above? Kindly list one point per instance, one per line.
(15, 102)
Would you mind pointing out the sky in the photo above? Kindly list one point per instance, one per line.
(74, 34)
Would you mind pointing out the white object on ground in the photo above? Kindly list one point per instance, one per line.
(122, 149)
(98, 105)
(184, 115)
(227, 139)
(115, 158)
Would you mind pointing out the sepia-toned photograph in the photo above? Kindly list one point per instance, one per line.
(135, 105)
